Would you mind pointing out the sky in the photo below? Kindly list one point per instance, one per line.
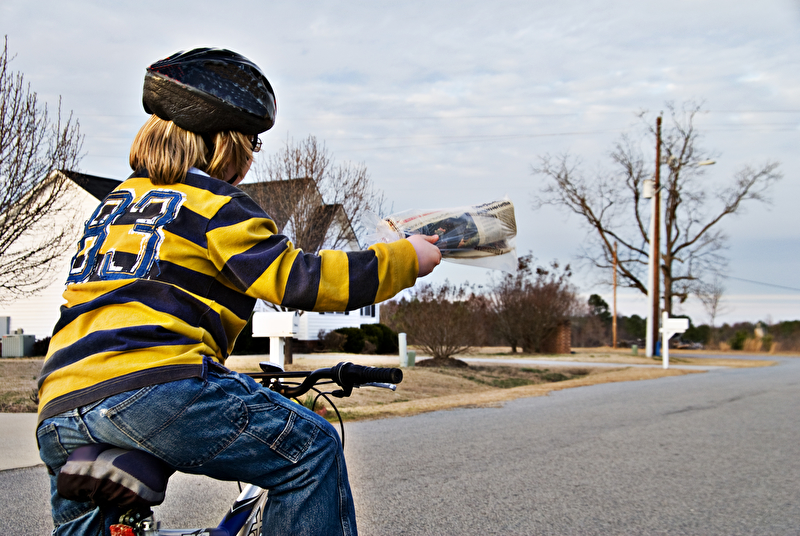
(452, 103)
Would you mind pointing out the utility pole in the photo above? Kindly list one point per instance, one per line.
(614, 318)
(655, 290)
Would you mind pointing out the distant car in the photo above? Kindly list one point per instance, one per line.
(685, 345)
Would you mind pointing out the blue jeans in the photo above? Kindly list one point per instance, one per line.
(227, 427)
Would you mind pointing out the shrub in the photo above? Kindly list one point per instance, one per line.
(246, 344)
(384, 339)
(737, 341)
(701, 334)
(40, 346)
(368, 339)
(355, 340)
(369, 347)
(528, 307)
(332, 341)
(445, 320)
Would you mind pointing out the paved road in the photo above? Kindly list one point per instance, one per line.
(711, 453)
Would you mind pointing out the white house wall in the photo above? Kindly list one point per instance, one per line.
(37, 315)
(311, 323)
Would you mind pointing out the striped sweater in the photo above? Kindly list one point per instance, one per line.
(165, 278)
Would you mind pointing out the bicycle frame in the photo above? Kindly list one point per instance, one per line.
(243, 519)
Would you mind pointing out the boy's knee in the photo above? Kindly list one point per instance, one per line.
(329, 436)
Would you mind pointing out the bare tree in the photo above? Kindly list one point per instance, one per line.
(529, 306)
(612, 208)
(315, 201)
(550, 300)
(33, 147)
(443, 319)
(506, 301)
(710, 295)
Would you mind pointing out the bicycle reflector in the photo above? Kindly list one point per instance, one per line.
(122, 530)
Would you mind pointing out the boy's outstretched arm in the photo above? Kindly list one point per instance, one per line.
(243, 244)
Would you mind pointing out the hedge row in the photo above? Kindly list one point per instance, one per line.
(374, 338)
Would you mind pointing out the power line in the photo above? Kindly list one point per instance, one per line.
(514, 115)
(765, 284)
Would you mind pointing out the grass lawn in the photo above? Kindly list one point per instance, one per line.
(423, 388)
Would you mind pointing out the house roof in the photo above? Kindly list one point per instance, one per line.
(99, 187)
(300, 197)
(279, 199)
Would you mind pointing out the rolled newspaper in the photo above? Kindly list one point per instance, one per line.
(479, 235)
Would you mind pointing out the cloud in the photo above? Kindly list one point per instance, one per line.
(449, 103)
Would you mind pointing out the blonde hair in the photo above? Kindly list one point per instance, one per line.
(167, 152)
(231, 149)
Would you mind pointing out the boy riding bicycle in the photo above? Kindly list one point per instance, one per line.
(165, 277)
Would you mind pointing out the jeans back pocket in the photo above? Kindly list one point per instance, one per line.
(185, 423)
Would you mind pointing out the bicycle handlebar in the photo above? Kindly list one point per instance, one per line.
(359, 374)
(346, 375)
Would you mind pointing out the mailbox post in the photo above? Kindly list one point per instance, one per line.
(277, 326)
(669, 327)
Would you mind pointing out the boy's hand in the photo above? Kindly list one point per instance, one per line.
(428, 255)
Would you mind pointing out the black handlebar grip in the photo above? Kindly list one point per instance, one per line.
(359, 374)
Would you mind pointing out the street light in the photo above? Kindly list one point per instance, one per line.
(651, 189)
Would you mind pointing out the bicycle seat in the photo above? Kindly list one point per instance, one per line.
(107, 475)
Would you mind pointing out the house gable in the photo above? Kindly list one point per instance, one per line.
(300, 200)
(98, 187)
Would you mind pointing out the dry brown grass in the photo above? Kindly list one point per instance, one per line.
(494, 397)
(17, 384)
(425, 389)
(626, 357)
(422, 389)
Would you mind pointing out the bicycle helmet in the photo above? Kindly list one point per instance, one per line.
(208, 90)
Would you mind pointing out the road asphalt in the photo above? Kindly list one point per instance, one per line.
(18, 441)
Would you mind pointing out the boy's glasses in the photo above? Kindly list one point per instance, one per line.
(256, 143)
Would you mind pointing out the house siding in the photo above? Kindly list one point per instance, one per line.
(311, 323)
(37, 314)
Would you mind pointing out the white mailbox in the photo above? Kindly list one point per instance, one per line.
(275, 324)
(676, 325)
(669, 327)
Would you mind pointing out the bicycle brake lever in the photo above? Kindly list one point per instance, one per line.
(341, 393)
(345, 391)
(389, 386)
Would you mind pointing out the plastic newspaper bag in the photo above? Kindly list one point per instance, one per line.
(479, 235)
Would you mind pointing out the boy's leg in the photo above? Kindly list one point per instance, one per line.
(231, 428)
(57, 437)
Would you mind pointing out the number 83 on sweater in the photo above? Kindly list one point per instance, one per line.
(122, 238)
